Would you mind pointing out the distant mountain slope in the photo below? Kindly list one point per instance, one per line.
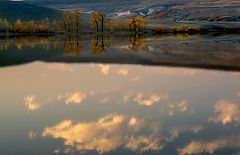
(174, 10)
(12, 10)
(216, 10)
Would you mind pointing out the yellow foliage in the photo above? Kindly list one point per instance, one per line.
(159, 28)
(6, 24)
(185, 28)
(196, 28)
(77, 20)
(174, 28)
(136, 23)
(137, 42)
(18, 26)
(30, 26)
(67, 21)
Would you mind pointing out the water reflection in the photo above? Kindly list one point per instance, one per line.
(210, 52)
(98, 109)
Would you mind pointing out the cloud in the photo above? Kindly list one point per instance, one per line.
(127, 97)
(197, 147)
(136, 78)
(30, 103)
(31, 134)
(76, 97)
(104, 100)
(123, 72)
(150, 101)
(182, 106)
(238, 94)
(106, 134)
(174, 132)
(104, 69)
(226, 112)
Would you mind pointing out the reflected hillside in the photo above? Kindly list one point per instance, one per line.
(199, 51)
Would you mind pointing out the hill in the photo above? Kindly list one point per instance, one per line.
(12, 10)
(173, 10)
(218, 10)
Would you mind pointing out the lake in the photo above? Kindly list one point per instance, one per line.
(174, 94)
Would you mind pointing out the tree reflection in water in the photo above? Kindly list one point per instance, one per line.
(72, 46)
(100, 42)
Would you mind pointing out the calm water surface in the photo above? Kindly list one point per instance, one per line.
(122, 101)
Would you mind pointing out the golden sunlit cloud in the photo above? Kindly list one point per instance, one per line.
(197, 147)
(76, 97)
(104, 69)
(123, 72)
(238, 94)
(31, 134)
(106, 134)
(136, 78)
(174, 132)
(150, 101)
(104, 100)
(182, 106)
(171, 113)
(226, 112)
(30, 103)
(127, 97)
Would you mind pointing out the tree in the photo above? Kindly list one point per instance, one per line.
(67, 21)
(7, 24)
(77, 21)
(98, 21)
(109, 25)
(136, 24)
(30, 26)
(18, 26)
(94, 21)
(101, 19)
(57, 26)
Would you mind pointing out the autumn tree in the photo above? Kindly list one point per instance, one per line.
(109, 25)
(94, 19)
(136, 24)
(77, 21)
(18, 26)
(57, 26)
(102, 17)
(7, 24)
(30, 26)
(67, 21)
(98, 20)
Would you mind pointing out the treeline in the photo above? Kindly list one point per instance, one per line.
(72, 22)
